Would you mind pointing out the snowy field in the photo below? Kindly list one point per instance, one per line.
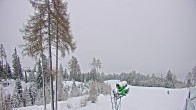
(139, 98)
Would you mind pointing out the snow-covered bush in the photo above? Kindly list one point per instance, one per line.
(83, 101)
(69, 104)
(106, 89)
(74, 90)
(93, 91)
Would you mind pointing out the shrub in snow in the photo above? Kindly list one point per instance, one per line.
(93, 92)
(83, 101)
(69, 105)
(106, 89)
(74, 90)
(6, 104)
(66, 93)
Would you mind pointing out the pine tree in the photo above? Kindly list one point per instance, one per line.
(74, 68)
(15, 64)
(33, 93)
(14, 101)
(17, 69)
(65, 75)
(194, 75)
(95, 66)
(27, 97)
(169, 83)
(20, 74)
(8, 71)
(188, 80)
(1, 70)
(17, 99)
(93, 74)
(3, 56)
(32, 77)
(39, 97)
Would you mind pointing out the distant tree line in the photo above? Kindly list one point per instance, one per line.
(136, 79)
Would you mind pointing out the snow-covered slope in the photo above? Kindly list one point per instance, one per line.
(139, 98)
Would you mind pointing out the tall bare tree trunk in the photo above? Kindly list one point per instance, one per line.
(43, 76)
(56, 98)
(50, 58)
(57, 49)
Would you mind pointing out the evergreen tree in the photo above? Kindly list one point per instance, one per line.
(194, 75)
(33, 93)
(8, 71)
(17, 70)
(27, 97)
(20, 74)
(65, 75)
(93, 74)
(95, 66)
(39, 80)
(15, 64)
(14, 100)
(17, 99)
(32, 77)
(3, 56)
(96, 63)
(39, 97)
(188, 80)
(74, 68)
(1, 70)
(169, 83)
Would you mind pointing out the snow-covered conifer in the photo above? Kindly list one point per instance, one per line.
(33, 93)
(27, 97)
(31, 77)
(39, 97)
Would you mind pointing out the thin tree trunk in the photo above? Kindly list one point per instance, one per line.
(57, 47)
(43, 76)
(50, 58)
(42, 56)
(56, 98)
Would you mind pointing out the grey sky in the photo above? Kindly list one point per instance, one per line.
(149, 36)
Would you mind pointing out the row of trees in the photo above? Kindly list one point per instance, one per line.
(5, 69)
(191, 78)
(137, 79)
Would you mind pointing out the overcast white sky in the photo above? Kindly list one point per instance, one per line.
(149, 36)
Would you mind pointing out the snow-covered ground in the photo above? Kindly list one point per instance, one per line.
(139, 98)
